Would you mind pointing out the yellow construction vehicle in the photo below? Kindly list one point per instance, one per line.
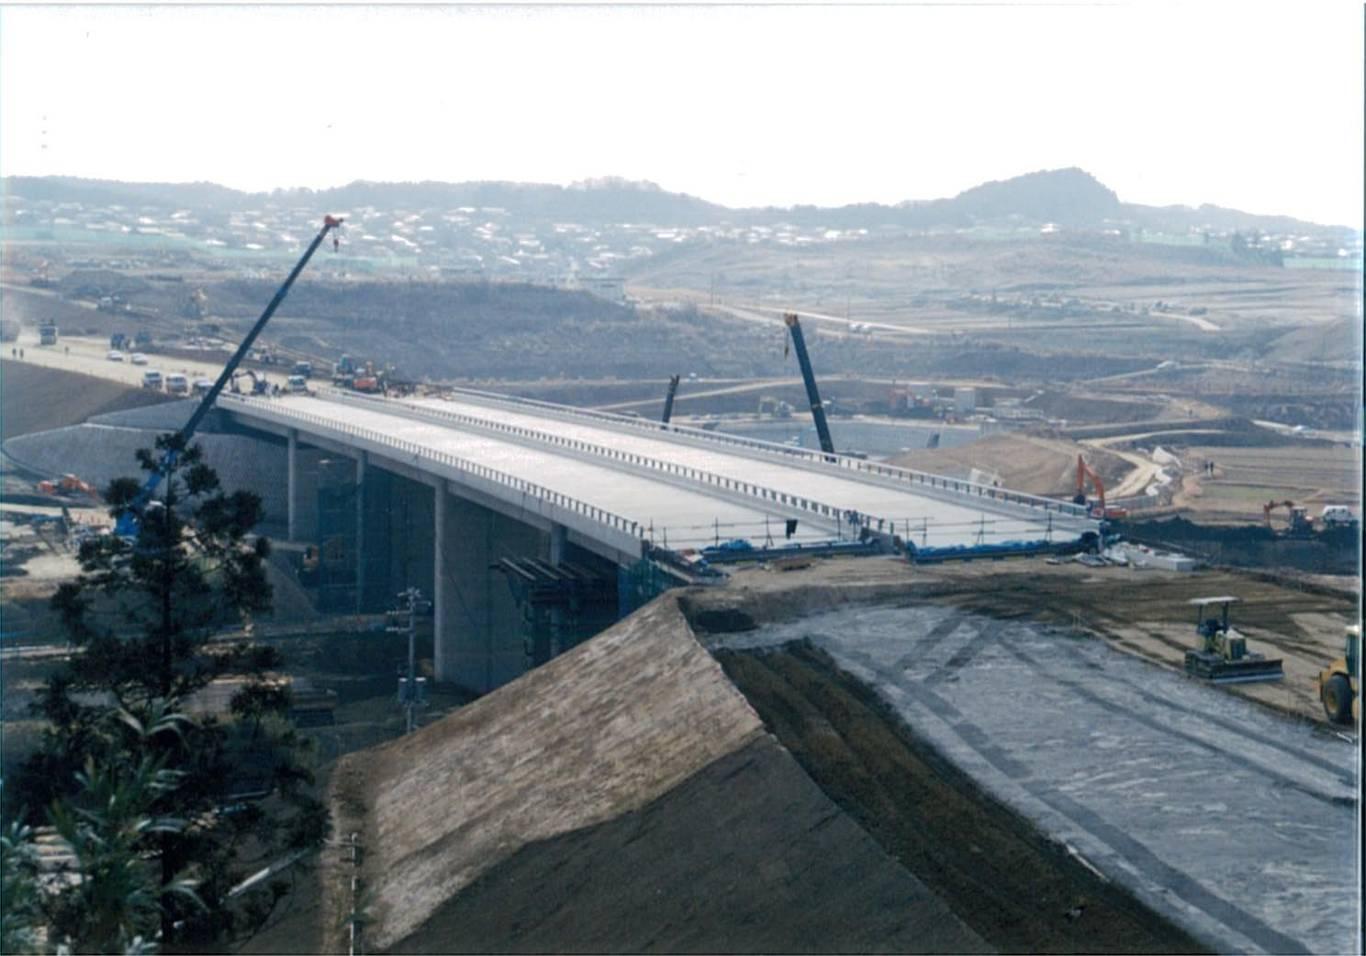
(1223, 657)
(1339, 682)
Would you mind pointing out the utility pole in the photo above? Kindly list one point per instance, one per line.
(409, 601)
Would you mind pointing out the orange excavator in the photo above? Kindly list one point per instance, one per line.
(1097, 507)
(68, 486)
(1299, 522)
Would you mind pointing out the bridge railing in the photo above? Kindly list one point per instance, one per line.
(809, 457)
(771, 496)
(282, 414)
(951, 489)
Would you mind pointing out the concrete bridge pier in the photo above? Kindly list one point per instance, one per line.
(292, 483)
(362, 465)
(477, 630)
(559, 541)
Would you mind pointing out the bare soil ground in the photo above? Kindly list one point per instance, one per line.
(747, 855)
(1245, 479)
(1019, 890)
(1039, 466)
(1142, 612)
(600, 731)
(743, 854)
(35, 399)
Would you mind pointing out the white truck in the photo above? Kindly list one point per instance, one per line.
(1337, 516)
(177, 384)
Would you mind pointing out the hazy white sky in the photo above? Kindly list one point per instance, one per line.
(1255, 106)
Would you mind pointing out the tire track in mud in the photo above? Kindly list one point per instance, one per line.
(1154, 869)
(1346, 776)
(1152, 724)
(1018, 888)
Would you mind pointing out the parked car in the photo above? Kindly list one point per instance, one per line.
(298, 384)
(202, 387)
(152, 379)
(137, 358)
(114, 355)
(177, 384)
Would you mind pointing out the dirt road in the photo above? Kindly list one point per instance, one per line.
(88, 356)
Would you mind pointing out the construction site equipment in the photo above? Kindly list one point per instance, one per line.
(1298, 524)
(132, 516)
(68, 486)
(669, 399)
(358, 376)
(740, 550)
(1223, 657)
(368, 380)
(42, 276)
(47, 333)
(1098, 507)
(1337, 516)
(809, 377)
(995, 551)
(774, 406)
(1340, 682)
(343, 371)
(196, 305)
(259, 384)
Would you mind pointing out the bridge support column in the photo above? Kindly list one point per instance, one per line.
(441, 590)
(477, 634)
(292, 489)
(559, 540)
(362, 463)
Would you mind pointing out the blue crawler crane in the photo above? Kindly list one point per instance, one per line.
(132, 516)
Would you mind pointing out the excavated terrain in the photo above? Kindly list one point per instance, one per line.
(1022, 892)
(641, 794)
(747, 855)
(36, 399)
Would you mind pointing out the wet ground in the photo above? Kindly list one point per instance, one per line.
(1234, 822)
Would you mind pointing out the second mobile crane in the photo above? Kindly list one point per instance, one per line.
(131, 517)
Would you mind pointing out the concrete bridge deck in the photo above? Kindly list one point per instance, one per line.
(674, 487)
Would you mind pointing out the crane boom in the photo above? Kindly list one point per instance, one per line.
(809, 376)
(669, 399)
(128, 522)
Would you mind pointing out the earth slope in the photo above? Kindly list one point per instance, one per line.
(624, 797)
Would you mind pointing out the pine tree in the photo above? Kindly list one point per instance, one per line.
(143, 617)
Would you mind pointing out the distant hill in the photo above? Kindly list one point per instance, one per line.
(597, 201)
(1065, 196)
(1070, 197)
